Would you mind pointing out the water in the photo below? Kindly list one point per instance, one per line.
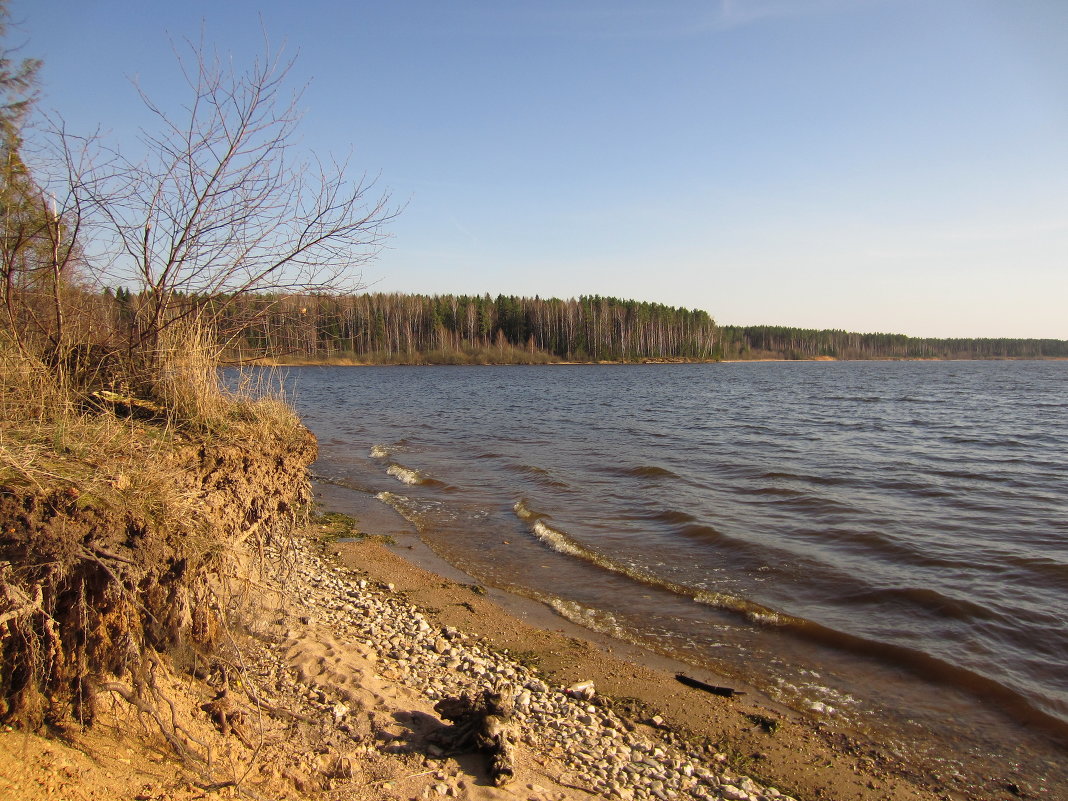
(887, 539)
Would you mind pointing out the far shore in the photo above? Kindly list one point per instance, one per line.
(346, 362)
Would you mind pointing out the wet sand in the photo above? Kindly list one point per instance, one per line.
(801, 755)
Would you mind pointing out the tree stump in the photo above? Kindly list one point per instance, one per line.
(482, 723)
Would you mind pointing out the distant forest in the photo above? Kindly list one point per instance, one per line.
(385, 328)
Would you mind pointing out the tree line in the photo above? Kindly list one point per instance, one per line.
(385, 327)
(768, 341)
(394, 328)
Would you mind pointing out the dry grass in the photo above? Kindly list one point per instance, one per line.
(186, 383)
(123, 514)
(57, 435)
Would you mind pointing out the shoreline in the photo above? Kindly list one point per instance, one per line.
(278, 363)
(749, 733)
(923, 768)
(806, 753)
(341, 651)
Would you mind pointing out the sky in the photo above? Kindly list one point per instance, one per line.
(869, 165)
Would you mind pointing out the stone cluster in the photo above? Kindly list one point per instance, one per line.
(601, 752)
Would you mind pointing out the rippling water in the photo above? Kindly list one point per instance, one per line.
(888, 539)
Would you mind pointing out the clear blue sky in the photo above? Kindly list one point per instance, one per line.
(874, 165)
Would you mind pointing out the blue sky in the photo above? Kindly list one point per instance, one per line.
(873, 165)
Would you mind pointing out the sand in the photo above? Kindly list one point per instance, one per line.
(322, 709)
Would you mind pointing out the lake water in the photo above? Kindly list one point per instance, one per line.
(883, 545)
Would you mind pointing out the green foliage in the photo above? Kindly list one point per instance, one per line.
(768, 725)
(333, 526)
(782, 342)
(18, 85)
(337, 526)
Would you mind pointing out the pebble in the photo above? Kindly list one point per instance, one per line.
(600, 751)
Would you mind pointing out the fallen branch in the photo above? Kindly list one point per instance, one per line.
(724, 692)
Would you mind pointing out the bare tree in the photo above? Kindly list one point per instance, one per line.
(222, 203)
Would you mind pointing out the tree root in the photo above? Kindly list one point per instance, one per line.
(482, 723)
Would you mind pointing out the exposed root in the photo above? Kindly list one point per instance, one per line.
(102, 601)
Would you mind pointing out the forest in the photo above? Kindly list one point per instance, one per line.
(780, 342)
(391, 328)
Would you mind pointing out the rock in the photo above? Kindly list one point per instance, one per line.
(749, 786)
(581, 689)
(340, 710)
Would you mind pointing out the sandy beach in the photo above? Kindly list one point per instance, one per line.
(341, 655)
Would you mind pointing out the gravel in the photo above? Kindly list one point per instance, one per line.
(600, 752)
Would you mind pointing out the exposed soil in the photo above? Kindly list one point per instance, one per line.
(199, 662)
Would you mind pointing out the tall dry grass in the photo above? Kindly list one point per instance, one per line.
(115, 447)
(185, 381)
(126, 514)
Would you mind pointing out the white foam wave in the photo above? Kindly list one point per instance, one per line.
(523, 511)
(562, 543)
(403, 505)
(379, 452)
(754, 613)
(404, 474)
(766, 618)
(557, 540)
(593, 619)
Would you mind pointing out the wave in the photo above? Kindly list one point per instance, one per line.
(593, 619)
(784, 492)
(1017, 703)
(554, 538)
(641, 471)
(928, 600)
(774, 475)
(407, 508)
(538, 474)
(347, 483)
(753, 612)
(559, 541)
(405, 474)
(562, 542)
(379, 452)
(524, 512)
(673, 516)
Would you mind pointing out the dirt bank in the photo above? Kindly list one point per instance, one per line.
(321, 667)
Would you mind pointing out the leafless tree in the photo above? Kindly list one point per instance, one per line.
(222, 203)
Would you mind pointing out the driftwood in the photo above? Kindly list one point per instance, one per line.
(726, 692)
(482, 723)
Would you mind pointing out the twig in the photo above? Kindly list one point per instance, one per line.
(725, 692)
(28, 607)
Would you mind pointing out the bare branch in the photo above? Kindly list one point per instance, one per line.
(223, 204)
